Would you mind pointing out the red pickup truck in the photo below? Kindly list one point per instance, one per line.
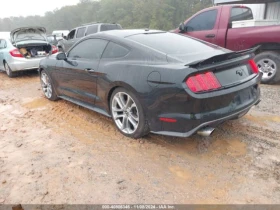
(215, 25)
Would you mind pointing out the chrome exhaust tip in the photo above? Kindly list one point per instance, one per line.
(207, 131)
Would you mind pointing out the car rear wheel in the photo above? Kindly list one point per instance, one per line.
(8, 70)
(269, 64)
(47, 86)
(128, 114)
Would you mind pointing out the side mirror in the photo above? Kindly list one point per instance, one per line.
(182, 27)
(61, 56)
(65, 37)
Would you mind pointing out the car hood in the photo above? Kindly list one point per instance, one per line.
(26, 34)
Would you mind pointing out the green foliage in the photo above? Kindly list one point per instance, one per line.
(155, 14)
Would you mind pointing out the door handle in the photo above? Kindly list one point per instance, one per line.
(90, 70)
(210, 35)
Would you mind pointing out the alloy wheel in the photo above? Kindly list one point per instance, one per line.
(125, 112)
(46, 85)
(267, 67)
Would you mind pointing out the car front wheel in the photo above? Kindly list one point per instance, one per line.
(47, 86)
(128, 114)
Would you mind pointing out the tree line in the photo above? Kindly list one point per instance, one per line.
(155, 14)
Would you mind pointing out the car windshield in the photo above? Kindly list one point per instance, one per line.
(174, 44)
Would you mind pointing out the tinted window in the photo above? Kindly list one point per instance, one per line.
(171, 43)
(241, 13)
(203, 21)
(88, 49)
(81, 32)
(2, 44)
(115, 51)
(108, 27)
(92, 29)
(71, 34)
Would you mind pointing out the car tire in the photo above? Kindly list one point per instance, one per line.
(47, 86)
(128, 114)
(269, 64)
(9, 71)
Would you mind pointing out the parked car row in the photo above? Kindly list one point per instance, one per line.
(25, 47)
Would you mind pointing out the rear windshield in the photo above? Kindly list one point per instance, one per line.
(170, 43)
(109, 27)
(241, 13)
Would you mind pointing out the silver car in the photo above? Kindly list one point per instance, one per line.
(24, 50)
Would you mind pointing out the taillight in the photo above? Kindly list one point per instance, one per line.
(16, 53)
(54, 49)
(254, 66)
(203, 82)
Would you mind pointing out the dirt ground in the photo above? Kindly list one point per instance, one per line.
(58, 152)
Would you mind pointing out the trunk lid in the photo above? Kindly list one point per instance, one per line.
(28, 35)
(222, 71)
(229, 68)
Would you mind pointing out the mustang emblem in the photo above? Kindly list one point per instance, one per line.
(239, 72)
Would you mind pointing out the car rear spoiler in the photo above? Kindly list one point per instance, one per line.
(223, 57)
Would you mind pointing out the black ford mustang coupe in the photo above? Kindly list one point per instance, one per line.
(154, 81)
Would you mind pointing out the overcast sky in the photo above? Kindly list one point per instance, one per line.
(31, 7)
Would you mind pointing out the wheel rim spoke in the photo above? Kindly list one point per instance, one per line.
(132, 121)
(120, 103)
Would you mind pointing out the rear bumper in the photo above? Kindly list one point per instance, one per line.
(192, 114)
(22, 64)
(212, 123)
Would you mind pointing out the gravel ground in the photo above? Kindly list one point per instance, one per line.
(58, 152)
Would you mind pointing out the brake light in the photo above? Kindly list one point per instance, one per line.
(206, 81)
(54, 49)
(254, 66)
(16, 53)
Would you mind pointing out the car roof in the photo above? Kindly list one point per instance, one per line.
(126, 33)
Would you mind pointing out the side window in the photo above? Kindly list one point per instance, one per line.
(92, 29)
(88, 49)
(2, 44)
(241, 13)
(81, 32)
(109, 27)
(115, 51)
(203, 21)
(71, 34)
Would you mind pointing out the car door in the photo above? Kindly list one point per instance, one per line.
(71, 40)
(203, 26)
(76, 77)
(108, 68)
